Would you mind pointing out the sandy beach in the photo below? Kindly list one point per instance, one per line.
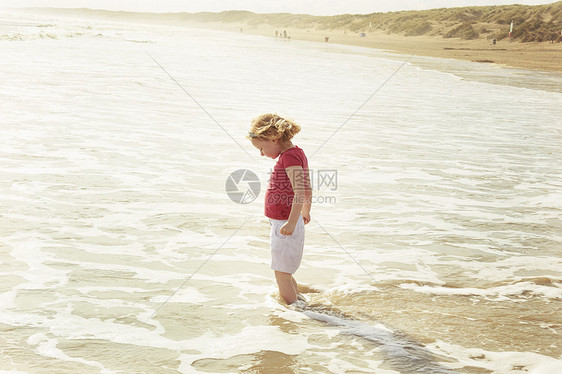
(543, 56)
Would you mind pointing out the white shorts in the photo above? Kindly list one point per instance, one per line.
(286, 250)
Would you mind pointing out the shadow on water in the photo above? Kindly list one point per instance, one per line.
(401, 352)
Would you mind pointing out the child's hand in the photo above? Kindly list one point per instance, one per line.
(306, 217)
(287, 229)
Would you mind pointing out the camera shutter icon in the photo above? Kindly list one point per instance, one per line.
(242, 186)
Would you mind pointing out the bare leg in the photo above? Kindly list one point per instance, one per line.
(299, 296)
(286, 286)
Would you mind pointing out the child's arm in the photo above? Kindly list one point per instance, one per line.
(308, 200)
(296, 177)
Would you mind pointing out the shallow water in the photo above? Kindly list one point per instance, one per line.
(437, 249)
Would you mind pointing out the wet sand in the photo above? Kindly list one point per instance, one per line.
(535, 56)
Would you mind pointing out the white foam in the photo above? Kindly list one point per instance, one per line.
(287, 312)
(244, 342)
(496, 293)
(499, 362)
(404, 354)
(187, 295)
(7, 299)
(47, 347)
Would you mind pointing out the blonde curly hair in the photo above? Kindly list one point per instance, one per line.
(271, 126)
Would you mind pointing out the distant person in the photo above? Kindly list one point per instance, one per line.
(287, 199)
(276, 33)
(284, 33)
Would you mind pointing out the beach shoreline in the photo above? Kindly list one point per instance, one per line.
(539, 56)
(544, 56)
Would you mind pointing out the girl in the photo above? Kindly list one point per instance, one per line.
(287, 198)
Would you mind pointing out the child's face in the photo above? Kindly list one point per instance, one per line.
(268, 148)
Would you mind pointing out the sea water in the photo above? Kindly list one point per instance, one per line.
(436, 231)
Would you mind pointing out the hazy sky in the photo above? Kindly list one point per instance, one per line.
(317, 7)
